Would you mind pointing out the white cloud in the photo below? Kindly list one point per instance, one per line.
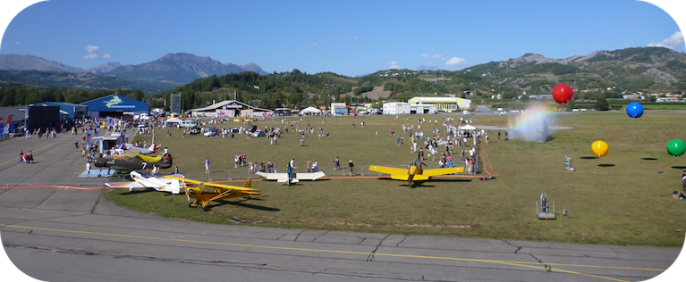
(434, 56)
(393, 65)
(672, 42)
(106, 56)
(91, 56)
(455, 62)
(91, 48)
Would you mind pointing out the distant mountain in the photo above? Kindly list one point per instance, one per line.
(654, 69)
(168, 71)
(178, 69)
(254, 68)
(28, 62)
(104, 68)
(70, 80)
(423, 67)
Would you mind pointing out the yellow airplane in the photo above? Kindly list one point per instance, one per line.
(415, 172)
(204, 192)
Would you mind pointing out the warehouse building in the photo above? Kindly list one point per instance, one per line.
(115, 106)
(443, 104)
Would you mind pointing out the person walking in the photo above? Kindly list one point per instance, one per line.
(207, 165)
(351, 165)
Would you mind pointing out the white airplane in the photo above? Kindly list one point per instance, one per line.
(162, 184)
(143, 151)
(283, 177)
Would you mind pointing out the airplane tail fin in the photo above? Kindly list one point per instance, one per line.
(174, 187)
(154, 147)
(248, 184)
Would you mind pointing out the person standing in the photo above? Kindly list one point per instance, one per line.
(21, 156)
(351, 165)
(336, 163)
(683, 180)
(289, 170)
(207, 165)
(88, 168)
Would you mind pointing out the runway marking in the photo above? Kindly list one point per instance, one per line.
(33, 150)
(512, 263)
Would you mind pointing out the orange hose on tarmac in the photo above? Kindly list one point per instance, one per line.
(55, 186)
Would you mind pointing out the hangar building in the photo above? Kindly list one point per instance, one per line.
(446, 104)
(115, 106)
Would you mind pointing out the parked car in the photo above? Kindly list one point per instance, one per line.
(194, 131)
(210, 131)
(187, 124)
(258, 133)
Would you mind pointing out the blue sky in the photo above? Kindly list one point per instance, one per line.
(345, 37)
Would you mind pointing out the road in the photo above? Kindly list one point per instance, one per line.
(75, 235)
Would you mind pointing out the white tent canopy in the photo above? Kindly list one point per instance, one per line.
(310, 110)
(172, 120)
(467, 127)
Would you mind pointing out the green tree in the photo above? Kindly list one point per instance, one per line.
(601, 104)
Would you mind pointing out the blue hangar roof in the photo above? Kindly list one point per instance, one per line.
(116, 103)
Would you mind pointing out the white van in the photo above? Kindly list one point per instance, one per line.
(187, 124)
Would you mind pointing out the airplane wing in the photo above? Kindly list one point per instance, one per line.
(309, 176)
(442, 171)
(149, 159)
(396, 173)
(125, 184)
(132, 153)
(209, 184)
(273, 176)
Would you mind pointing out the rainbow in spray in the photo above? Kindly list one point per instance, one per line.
(533, 124)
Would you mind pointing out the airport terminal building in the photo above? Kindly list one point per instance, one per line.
(443, 104)
(115, 106)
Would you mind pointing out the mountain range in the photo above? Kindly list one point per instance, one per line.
(167, 72)
(654, 69)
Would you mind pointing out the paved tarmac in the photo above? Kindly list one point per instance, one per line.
(75, 235)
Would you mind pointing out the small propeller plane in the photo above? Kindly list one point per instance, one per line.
(205, 192)
(131, 162)
(162, 184)
(153, 148)
(415, 171)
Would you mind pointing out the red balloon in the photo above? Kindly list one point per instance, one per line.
(562, 94)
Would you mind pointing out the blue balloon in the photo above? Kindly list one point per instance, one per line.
(634, 110)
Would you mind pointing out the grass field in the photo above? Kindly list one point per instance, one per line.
(619, 199)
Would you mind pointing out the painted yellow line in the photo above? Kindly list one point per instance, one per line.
(15, 159)
(512, 263)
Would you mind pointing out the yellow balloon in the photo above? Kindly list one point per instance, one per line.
(600, 148)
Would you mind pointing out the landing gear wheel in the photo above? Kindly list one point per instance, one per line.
(206, 208)
(191, 205)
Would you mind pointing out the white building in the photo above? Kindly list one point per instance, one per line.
(442, 103)
(396, 108)
(421, 109)
(338, 108)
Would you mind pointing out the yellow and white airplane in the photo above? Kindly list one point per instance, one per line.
(415, 172)
(205, 192)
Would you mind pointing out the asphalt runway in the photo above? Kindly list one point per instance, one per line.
(57, 234)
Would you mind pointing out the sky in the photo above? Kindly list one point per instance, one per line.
(345, 37)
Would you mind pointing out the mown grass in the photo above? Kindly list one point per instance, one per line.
(624, 202)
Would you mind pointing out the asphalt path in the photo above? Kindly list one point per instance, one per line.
(57, 234)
